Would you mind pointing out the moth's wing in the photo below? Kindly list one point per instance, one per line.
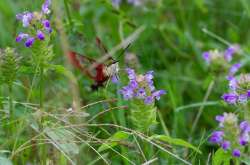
(81, 62)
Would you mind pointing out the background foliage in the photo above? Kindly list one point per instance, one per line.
(176, 34)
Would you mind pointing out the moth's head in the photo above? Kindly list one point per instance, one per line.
(112, 69)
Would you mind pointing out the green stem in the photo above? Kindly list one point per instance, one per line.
(11, 127)
(1, 98)
(41, 85)
(68, 12)
(10, 102)
(246, 113)
(196, 120)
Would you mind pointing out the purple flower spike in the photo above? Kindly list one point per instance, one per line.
(46, 25)
(131, 74)
(40, 35)
(25, 17)
(21, 36)
(151, 85)
(141, 93)
(45, 7)
(248, 93)
(230, 98)
(206, 56)
(116, 3)
(115, 79)
(135, 2)
(216, 137)
(127, 93)
(220, 119)
(133, 84)
(245, 127)
(230, 51)
(149, 75)
(233, 83)
(149, 100)
(242, 99)
(236, 153)
(225, 145)
(157, 94)
(141, 87)
(234, 68)
(29, 42)
(244, 139)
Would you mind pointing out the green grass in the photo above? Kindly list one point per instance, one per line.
(171, 45)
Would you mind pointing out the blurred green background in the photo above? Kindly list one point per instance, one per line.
(171, 45)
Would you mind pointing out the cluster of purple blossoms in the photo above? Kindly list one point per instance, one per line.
(141, 87)
(231, 136)
(37, 21)
(222, 60)
(227, 55)
(239, 91)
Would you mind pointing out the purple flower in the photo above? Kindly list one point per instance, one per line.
(234, 68)
(233, 83)
(242, 98)
(141, 87)
(40, 35)
(236, 153)
(220, 119)
(149, 100)
(141, 93)
(29, 42)
(216, 137)
(127, 92)
(21, 36)
(230, 98)
(157, 94)
(135, 2)
(248, 93)
(133, 84)
(115, 79)
(149, 76)
(45, 7)
(245, 126)
(225, 145)
(131, 74)
(206, 56)
(230, 51)
(151, 85)
(244, 138)
(46, 25)
(116, 3)
(25, 17)
(149, 79)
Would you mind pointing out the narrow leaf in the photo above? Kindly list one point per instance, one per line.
(175, 141)
(113, 140)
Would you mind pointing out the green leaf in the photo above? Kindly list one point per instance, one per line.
(245, 160)
(113, 140)
(59, 68)
(5, 161)
(220, 157)
(175, 141)
(63, 140)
